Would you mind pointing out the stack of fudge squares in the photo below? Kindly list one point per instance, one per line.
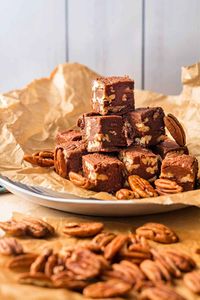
(116, 140)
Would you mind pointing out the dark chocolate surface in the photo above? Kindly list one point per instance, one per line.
(167, 146)
(67, 136)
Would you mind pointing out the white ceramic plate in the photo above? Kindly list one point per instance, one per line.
(70, 203)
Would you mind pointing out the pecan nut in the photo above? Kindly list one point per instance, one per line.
(159, 292)
(141, 186)
(39, 264)
(10, 246)
(68, 280)
(80, 181)
(167, 186)
(83, 229)
(38, 279)
(13, 227)
(192, 281)
(100, 241)
(175, 129)
(43, 158)
(114, 246)
(22, 261)
(51, 264)
(154, 271)
(37, 227)
(158, 233)
(106, 289)
(60, 163)
(126, 194)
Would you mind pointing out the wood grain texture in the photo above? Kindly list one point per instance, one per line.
(32, 36)
(172, 40)
(106, 36)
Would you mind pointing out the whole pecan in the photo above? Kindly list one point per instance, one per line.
(10, 246)
(37, 227)
(158, 233)
(38, 279)
(84, 264)
(192, 281)
(100, 241)
(106, 289)
(60, 163)
(182, 261)
(167, 186)
(114, 246)
(83, 229)
(51, 263)
(80, 181)
(68, 280)
(42, 158)
(22, 261)
(159, 292)
(13, 227)
(39, 264)
(126, 194)
(175, 129)
(141, 186)
(154, 271)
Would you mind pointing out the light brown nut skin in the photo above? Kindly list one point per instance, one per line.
(14, 228)
(10, 246)
(80, 181)
(51, 263)
(126, 194)
(22, 261)
(83, 230)
(192, 281)
(106, 289)
(175, 128)
(114, 246)
(43, 158)
(141, 187)
(38, 279)
(163, 292)
(167, 186)
(60, 163)
(158, 233)
(154, 271)
(38, 228)
(68, 280)
(100, 241)
(39, 264)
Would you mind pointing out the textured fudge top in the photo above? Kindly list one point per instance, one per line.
(98, 160)
(115, 80)
(137, 151)
(73, 146)
(169, 145)
(149, 111)
(183, 160)
(81, 119)
(68, 135)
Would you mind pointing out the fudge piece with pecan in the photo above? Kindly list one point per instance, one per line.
(104, 133)
(106, 172)
(113, 95)
(181, 168)
(140, 161)
(167, 146)
(67, 136)
(68, 157)
(146, 126)
(81, 119)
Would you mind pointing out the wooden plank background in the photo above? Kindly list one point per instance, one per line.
(148, 39)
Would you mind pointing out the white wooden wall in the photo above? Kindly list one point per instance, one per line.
(148, 39)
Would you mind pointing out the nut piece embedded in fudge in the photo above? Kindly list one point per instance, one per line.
(106, 172)
(146, 126)
(140, 161)
(181, 168)
(167, 146)
(113, 95)
(68, 135)
(68, 157)
(104, 133)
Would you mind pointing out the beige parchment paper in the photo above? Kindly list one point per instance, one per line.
(31, 117)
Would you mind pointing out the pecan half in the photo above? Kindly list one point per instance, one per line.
(125, 194)
(192, 281)
(50, 265)
(141, 187)
(43, 158)
(68, 280)
(167, 186)
(80, 181)
(84, 264)
(154, 271)
(163, 292)
(38, 279)
(14, 228)
(158, 233)
(83, 229)
(39, 264)
(10, 246)
(106, 289)
(60, 163)
(114, 246)
(175, 129)
(100, 241)
(22, 261)
(37, 227)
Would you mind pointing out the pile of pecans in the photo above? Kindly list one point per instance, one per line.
(108, 265)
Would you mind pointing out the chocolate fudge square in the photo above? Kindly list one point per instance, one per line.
(167, 146)
(81, 119)
(68, 135)
(181, 168)
(146, 126)
(106, 172)
(113, 95)
(140, 161)
(68, 157)
(104, 133)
